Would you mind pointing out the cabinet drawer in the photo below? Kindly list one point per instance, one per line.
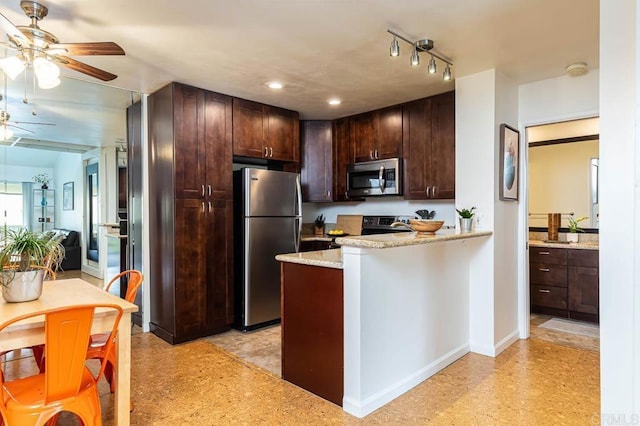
(550, 297)
(555, 275)
(588, 258)
(548, 256)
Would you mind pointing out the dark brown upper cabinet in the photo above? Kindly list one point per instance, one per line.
(377, 135)
(429, 148)
(263, 131)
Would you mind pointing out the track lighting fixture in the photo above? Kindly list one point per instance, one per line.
(395, 47)
(422, 45)
(432, 65)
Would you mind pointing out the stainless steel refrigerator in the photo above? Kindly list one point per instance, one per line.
(267, 222)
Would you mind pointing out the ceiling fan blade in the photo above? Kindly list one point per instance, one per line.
(84, 68)
(32, 122)
(21, 128)
(14, 35)
(86, 49)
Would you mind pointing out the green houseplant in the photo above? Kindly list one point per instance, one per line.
(25, 258)
(574, 228)
(466, 219)
(43, 179)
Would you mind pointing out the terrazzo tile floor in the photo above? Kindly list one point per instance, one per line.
(533, 382)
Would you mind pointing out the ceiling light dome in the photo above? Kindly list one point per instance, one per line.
(577, 69)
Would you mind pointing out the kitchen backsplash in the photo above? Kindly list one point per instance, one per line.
(445, 209)
(562, 236)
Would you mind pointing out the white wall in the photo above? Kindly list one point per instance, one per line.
(25, 174)
(620, 198)
(393, 206)
(475, 165)
(69, 169)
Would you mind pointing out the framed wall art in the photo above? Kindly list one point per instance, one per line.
(67, 196)
(509, 160)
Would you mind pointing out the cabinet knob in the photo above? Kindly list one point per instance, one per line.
(544, 291)
(203, 190)
(427, 190)
(433, 191)
(371, 155)
(203, 210)
(328, 194)
(544, 253)
(209, 190)
(376, 153)
(266, 152)
(544, 269)
(209, 206)
(270, 152)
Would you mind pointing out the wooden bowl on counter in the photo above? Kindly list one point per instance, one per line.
(426, 226)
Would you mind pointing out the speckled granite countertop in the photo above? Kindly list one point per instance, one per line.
(401, 239)
(315, 238)
(324, 258)
(579, 246)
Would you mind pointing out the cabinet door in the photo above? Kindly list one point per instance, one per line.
(584, 290)
(443, 146)
(190, 268)
(343, 155)
(248, 137)
(189, 147)
(282, 136)
(362, 137)
(416, 137)
(220, 263)
(218, 140)
(317, 161)
(388, 141)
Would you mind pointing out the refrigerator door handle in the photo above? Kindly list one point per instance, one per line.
(297, 230)
(298, 208)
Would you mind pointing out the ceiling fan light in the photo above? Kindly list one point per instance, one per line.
(12, 66)
(48, 83)
(45, 69)
(5, 133)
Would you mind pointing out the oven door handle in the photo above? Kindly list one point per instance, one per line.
(381, 180)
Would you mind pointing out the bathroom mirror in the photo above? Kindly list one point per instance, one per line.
(563, 174)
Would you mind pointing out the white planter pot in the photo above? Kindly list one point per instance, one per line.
(572, 237)
(22, 286)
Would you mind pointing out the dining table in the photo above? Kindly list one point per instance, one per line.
(70, 292)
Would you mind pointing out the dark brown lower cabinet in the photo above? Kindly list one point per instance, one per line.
(312, 329)
(314, 245)
(567, 285)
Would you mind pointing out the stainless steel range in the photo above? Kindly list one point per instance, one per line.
(382, 224)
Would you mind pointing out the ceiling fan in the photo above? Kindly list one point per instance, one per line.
(41, 49)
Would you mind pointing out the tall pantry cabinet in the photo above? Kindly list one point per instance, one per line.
(191, 212)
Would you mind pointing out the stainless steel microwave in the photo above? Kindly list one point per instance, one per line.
(373, 178)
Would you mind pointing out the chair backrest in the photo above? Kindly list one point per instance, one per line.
(135, 280)
(67, 333)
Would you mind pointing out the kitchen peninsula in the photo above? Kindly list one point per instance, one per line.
(397, 309)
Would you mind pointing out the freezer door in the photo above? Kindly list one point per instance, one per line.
(271, 193)
(264, 238)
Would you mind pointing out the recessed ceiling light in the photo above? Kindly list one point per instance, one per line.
(335, 101)
(275, 85)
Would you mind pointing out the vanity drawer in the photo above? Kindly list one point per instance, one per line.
(550, 297)
(588, 258)
(548, 256)
(542, 273)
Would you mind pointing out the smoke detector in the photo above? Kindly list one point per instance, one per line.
(577, 69)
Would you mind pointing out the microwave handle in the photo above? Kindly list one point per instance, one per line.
(381, 181)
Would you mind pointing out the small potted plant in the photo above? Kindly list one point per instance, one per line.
(466, 219)
(319, 225)
(25, 258)
(43, 179)
(574, 228)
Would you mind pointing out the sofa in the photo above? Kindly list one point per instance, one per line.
(72, 250)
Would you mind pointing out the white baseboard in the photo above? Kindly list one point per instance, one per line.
(372, 403)
(495, 350)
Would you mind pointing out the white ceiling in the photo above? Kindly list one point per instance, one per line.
(319, 49)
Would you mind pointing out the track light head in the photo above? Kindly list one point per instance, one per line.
(415, 59)
(395, 47)
(432, 65)
(446, 76)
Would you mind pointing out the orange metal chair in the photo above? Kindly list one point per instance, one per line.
(97, 349)
(67, 384)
